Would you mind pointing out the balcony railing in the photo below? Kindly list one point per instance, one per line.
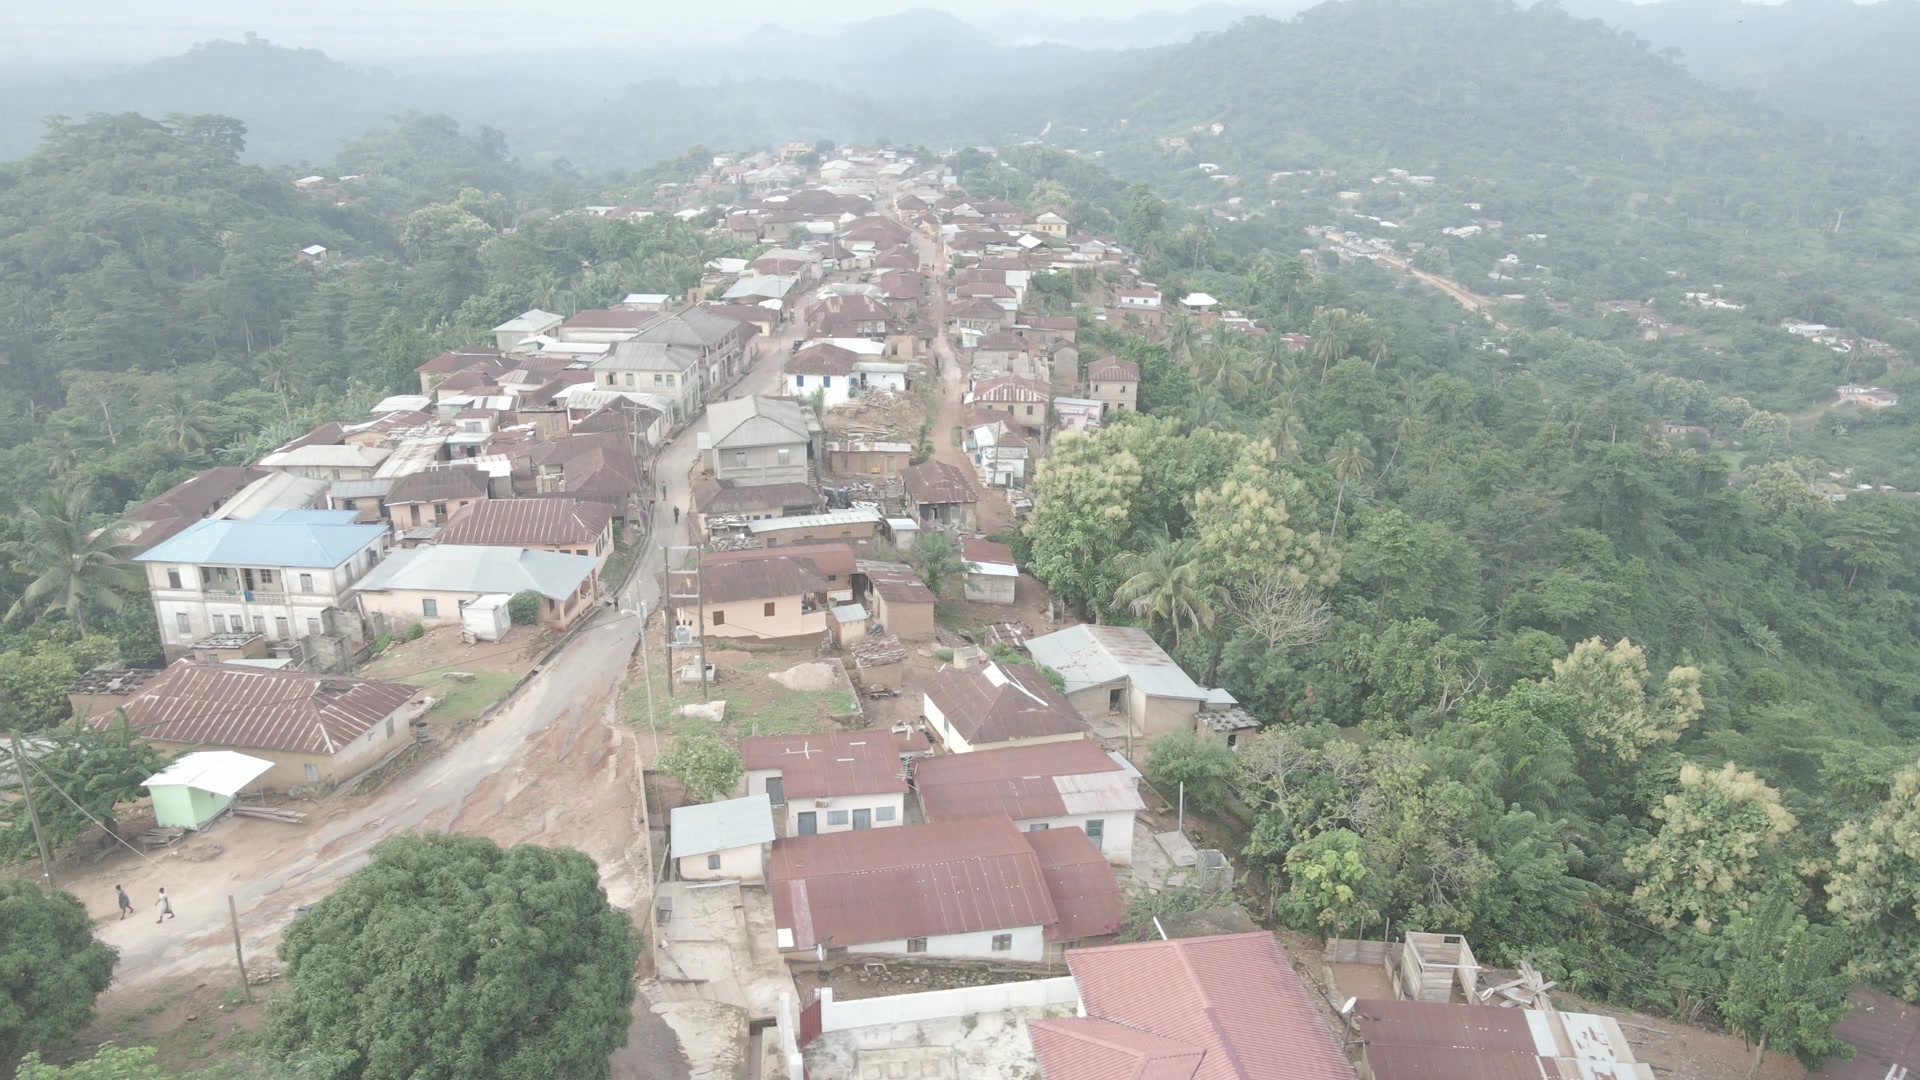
(244, 596)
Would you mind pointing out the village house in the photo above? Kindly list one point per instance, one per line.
(1869, 397)
(997, 705)
(1060, 785)
(721, 342)
(978, 316)
(669, 374)
(858, 524)
(597, 467)
(900, 603)
(198, 496)
(431, 585)
(839, 781)
(426, 499)
(772, 598)
(1025, 400)
(855, 458)
(723, 507)
(1028, 895)
(721, 841)
(517, 331)
(1004, 456)
(1050, 224)
(328, 461)
(564, 526)
(1415, 1040)
(1114, 383)
(992, 577)
(1078, 414)
(939, 493)
(318, 731)
(760, 440)
(282, 575)
(366, 499)
(437, 370)
(1005, 352)
(1221, 1007)
(1121, 671)
(826, 370)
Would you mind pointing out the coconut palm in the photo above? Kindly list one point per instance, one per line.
(278, 376)
(1223, 369)
(937, 559)
(1208, 410)
(1285, 431)
(73, 566)
(1333, 334)
(1409, 420)
(1182, 335)
(1352, 459)
(1163, 586)
(181, 422)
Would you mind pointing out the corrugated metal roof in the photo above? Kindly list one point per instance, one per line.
(721, 826)
(274, 491)
(814, 521)
(1083, 1048)
(901, 587)
(360, 489)
(474, 568)
(1113, 369)
(1233, 995)
(829, 764)
(520, 522)
(997, 704)
(756, 421)
(438, 485)
(253, 708)
(851, 888)
(1884, 1032)
(1042, 780)
(223, 772)
(1085, 896)
(935, 481)
(272, 538)
(1089, 655)
(755, 579)
(328, 456)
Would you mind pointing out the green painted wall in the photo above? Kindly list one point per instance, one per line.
(185, 807)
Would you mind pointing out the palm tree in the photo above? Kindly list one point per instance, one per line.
(1352, 459)
(182, 422)
(1409, 420)
(1222, 368)
(936, 557)
(1181, 336)
(73, 566)
(1207, 410)
(278, 376)
(1285, 431)
(1332, 331)
(1163, 586)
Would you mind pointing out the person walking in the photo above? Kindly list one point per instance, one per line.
(126, 902)
(676, 515)
(166, 907)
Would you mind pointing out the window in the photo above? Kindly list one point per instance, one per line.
(740, 459)
(1039, 826)
(389, 727)
(259, 624)
(610, 381)
(306, 582)
(669, 380)
(182, 623)
(580, 551)
(430, 608)
(837, 817)
(883, 813)
(313, 774)
(266, 577)
(1003, 943)
(767, 609)
(916, 944)
(280, 627)
(826, 380)
(629, 378)
(713, 862)
(439, 509)
(784, 455)
(1096, 832)
(719, 618)
(1029, 410)
(659, 380)
(173, 578)
(313, 627)
(799, 380)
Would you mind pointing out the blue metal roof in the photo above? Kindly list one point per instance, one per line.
(314, 538)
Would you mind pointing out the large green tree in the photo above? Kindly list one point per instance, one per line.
(51, 968)
(448, 957)
(76, 563)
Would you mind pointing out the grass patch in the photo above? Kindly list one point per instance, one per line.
(460, 702)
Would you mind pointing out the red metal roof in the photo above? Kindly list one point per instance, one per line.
(255, 708)
(1024, 782)
(1079, 882)
(975, 549)
(1015, 703)
(1883, 1031)
(935, 481)
(1083, 1048)
(1113, 369)
(853, 888)
(1234, 996)
(523, 522)
(901, 587)
(828, 764)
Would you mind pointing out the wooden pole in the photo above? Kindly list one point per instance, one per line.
(239, 957)
(33, 814)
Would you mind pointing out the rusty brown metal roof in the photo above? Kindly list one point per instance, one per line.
(439, 485)
(750, 579)
(1084, 1048)
(1433, 1024)
(935, 481)
(1015, 703)
(1079, 882)
(901, 587)
(1013, 388)
(851, 888)
(1025, 782)
(1113, 369)
(528, 522)
(255, 708)
(829, 764)
(1884, 1032)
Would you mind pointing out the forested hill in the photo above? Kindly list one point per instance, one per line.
(1835, 62)
(1559, 125)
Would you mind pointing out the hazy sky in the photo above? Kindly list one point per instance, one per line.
(118, 30)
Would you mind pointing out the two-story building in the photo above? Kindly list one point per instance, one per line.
(669, 374)
(428, 498)
(1114, 383)
(837, 781)
(284, 574)
(720, 342)
(821, 369)
(760, 440)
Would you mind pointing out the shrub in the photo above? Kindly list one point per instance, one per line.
(416, 632)
(524, 608)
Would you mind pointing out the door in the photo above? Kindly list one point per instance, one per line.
(809, 823)
(1096, 832)
(776, 790)
(863, 819)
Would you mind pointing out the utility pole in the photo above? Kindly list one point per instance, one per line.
(684, 583)
(239, 957)
(33, 814)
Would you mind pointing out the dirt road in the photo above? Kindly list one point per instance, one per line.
(994, 512)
